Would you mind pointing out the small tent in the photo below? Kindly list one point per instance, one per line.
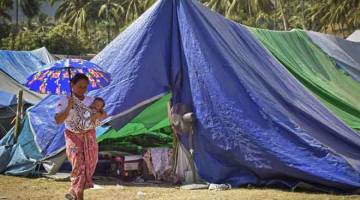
(14, 69)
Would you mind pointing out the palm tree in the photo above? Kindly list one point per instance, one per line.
(283, 12)
(30, 9)
(134, 8)
(111, 11)
(5, 5)
(74, 12)
(219, 6)
(336, 14)
(354, 15)
(257, 9)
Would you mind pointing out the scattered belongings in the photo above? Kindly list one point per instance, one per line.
(58, 176)
(194, 187)
(140, 194)
(219, 187)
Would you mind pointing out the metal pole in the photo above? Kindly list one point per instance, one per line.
(18, 115)
(192, 164)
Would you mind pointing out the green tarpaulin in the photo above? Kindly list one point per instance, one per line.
(316, 71)
(149, 129)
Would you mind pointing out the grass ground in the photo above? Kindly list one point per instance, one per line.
(42, 188)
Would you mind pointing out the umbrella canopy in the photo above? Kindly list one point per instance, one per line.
(55, 78)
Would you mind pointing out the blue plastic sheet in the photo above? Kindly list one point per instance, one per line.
(256, 124)
(7, 99)
(19, 158)
(21, 64)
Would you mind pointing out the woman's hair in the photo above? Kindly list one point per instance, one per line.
(100, 99)
(79, 77)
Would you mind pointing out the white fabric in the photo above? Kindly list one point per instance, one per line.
(355, 36)
(182, 163)
(79, 116)
(62, 103)
(161, 160)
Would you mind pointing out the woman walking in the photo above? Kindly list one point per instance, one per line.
(80, 137)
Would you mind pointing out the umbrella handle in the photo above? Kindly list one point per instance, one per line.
(70, 81)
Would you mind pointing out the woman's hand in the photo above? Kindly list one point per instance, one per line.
(70, 103)
(61, 117)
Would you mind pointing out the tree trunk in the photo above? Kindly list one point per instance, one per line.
(284, 16)
(342, 29)
(249, 7)
(29, 23)
(275, 5)
(17, 16)
(16, 24)
(303, 14)
(108, 23)
(231, 8)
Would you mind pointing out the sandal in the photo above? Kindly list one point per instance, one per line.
(69, 196)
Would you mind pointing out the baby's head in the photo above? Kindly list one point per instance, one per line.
(98, 104)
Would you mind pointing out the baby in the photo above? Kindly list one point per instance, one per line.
(97, 113)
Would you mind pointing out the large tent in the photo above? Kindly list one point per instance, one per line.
(256, 123)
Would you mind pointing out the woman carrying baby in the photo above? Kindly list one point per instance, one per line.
(81, 115)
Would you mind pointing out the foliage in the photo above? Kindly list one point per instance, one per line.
(61, 39)
(58, 40)
(88, 25)
(5, 5)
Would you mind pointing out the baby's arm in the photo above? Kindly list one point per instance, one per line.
(98, 117)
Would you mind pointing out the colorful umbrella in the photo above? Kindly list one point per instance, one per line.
(55, 79)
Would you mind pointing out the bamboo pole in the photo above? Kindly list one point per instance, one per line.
(18, 114)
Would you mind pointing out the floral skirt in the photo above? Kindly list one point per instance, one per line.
(82, 153)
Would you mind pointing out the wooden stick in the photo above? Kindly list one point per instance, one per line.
(18, 113)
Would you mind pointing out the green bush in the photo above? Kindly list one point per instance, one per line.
(62, 40)
(59, 39)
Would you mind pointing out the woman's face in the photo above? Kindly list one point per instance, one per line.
(80, 88)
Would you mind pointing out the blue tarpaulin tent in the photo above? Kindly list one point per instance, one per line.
(21, 157)
(18, 65)
(256, 124)
(15, 66)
